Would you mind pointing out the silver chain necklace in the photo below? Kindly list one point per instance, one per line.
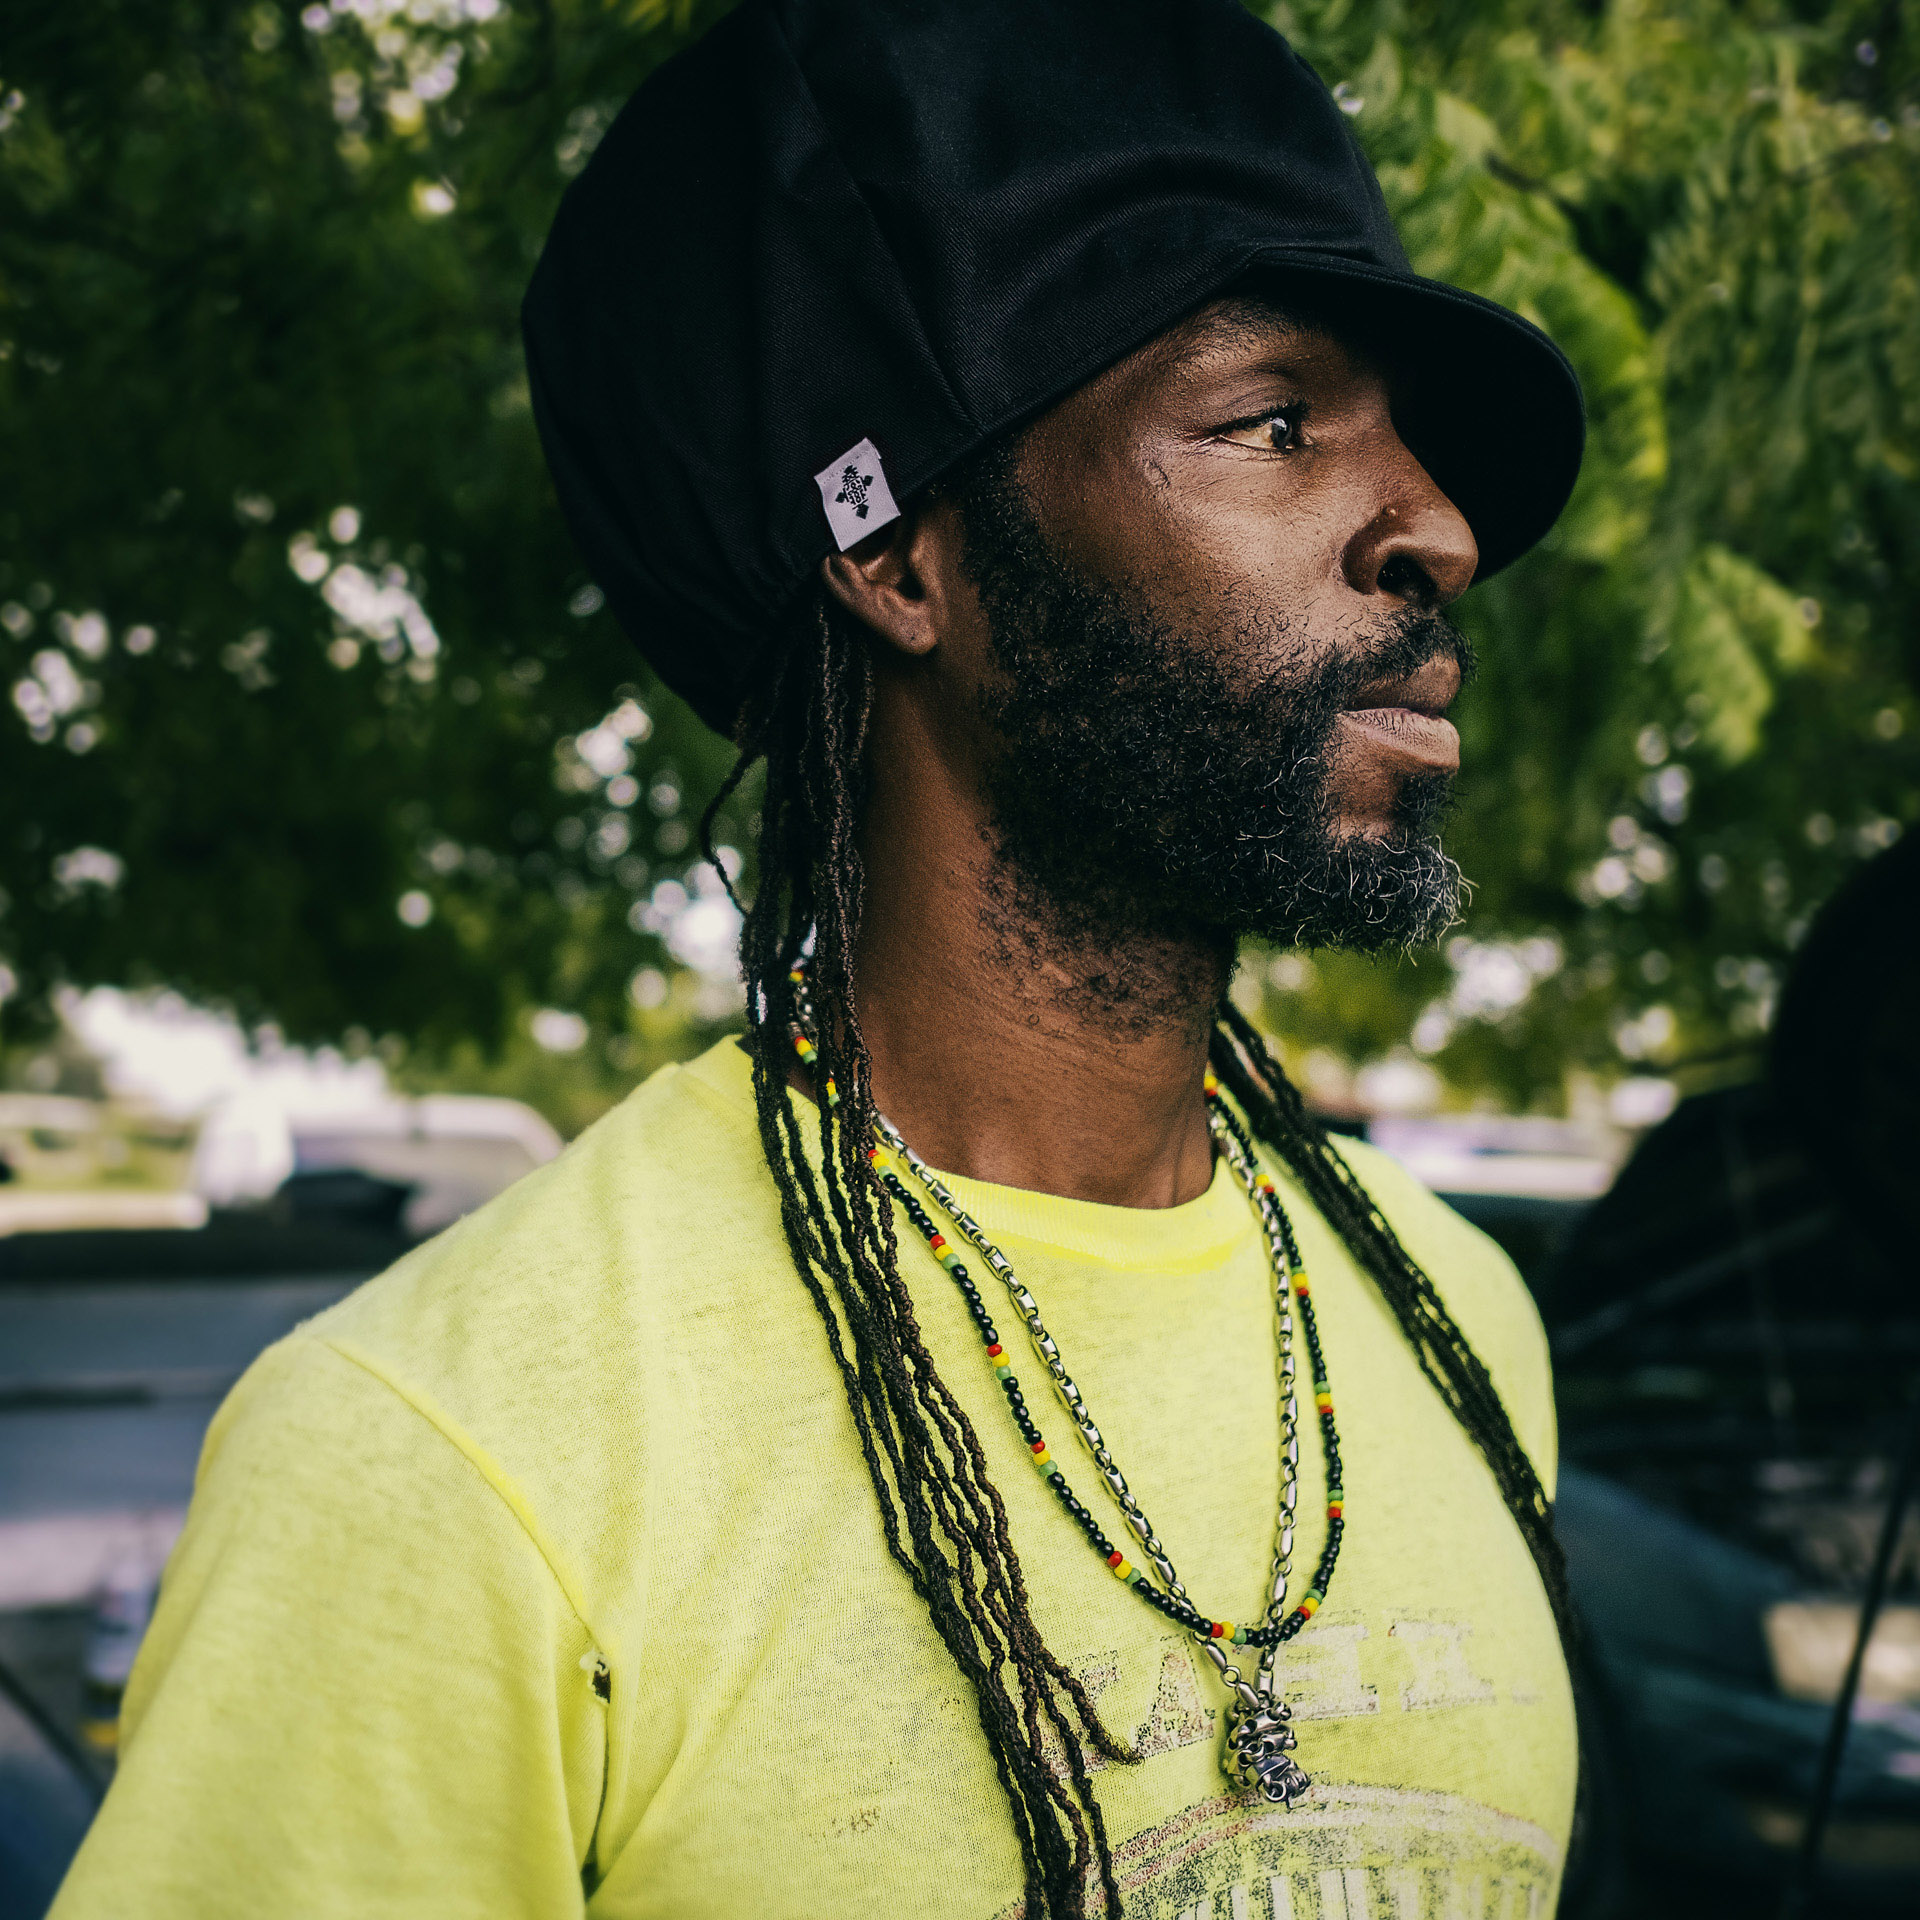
(1260, 1737)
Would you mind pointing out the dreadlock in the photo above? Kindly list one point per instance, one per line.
(942, 1517)
(1278, 1116)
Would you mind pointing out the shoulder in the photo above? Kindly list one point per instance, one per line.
(564, 1255)
(523, 1336)
(1481, 1288)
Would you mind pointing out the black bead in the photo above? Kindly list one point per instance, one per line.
(960, 1273)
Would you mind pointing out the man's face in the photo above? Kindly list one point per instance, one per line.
(1212, 581)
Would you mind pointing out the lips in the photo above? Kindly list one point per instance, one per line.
(1406, 718)
(1423, 739)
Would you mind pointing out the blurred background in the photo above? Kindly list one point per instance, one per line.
(346, 861)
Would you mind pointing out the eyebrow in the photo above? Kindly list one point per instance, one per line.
(1241, 320)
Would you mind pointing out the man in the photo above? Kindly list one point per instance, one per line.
(1017, 426)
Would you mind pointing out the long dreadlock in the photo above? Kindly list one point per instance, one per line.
(943, 1518)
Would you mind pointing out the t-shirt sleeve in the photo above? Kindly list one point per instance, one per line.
(364, 1691)
(1483, 1291)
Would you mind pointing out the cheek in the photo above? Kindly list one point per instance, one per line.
(1212, 545)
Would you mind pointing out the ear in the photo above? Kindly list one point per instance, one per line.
(902, 581)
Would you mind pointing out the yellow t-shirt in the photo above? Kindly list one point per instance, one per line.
(543, 1576)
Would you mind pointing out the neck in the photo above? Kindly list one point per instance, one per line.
(1011, 1049)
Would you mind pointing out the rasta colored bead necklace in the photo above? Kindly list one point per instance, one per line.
(1260, 1737)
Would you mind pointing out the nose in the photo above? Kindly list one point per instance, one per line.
(1415, 546)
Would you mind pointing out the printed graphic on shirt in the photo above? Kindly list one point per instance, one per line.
(1348, 1851)
(1345, 1853)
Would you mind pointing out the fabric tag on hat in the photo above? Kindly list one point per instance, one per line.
(854, 491)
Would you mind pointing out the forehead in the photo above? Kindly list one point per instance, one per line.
(1239, 334)
(1249, 326)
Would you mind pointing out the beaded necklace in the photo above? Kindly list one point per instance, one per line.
(1260, 1737)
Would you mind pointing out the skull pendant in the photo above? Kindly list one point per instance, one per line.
(1260, 1752)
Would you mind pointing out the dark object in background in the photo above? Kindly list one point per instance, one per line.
(1736, 1328)
(1846, 1048)
(237, 1244)
(1857, 1103)
(343, 1197)
(842, 225)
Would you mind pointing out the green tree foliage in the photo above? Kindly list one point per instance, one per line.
(298, 646)
(299, 650)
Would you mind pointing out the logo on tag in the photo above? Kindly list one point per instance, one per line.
(854, 491)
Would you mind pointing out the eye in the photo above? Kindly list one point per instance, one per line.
(1283, 430)
(1278, 430)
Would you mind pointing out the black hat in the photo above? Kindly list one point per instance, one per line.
(837, 245)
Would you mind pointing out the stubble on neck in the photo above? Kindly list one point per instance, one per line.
(1078, 965)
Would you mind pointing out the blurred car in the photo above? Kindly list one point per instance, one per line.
(1736, 1359)
(449, 1151)
(116, 1345)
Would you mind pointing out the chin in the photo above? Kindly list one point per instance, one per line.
(1374, 830)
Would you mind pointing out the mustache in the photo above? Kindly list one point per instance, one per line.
(1297, 707)
(1403, 644)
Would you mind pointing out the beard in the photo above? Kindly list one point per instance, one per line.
(1139, 789)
